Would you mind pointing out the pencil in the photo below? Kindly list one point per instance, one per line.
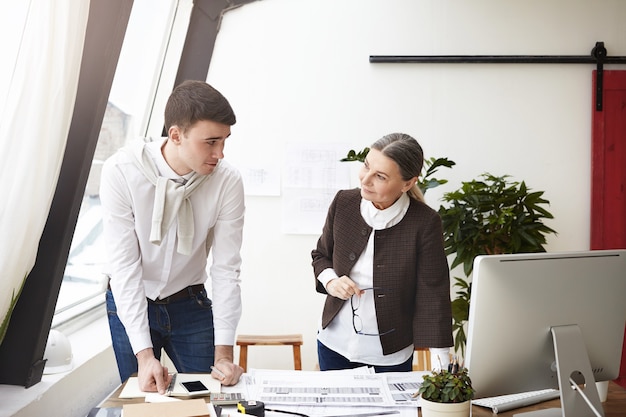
(218, 372)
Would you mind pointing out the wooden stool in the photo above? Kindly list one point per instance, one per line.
(245, 340)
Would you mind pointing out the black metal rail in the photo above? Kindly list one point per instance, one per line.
(597, 57)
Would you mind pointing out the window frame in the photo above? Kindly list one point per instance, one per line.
(22, 351)
(170, 50)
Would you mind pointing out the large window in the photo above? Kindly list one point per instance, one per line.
(132, 111)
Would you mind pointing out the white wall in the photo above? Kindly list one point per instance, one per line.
(298, 70)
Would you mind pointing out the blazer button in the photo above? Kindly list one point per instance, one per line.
(364, 232)
(352, 256)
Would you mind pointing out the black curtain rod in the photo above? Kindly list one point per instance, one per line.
(494, 59)
(597, 57)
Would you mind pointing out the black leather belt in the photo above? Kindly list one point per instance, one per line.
(180, 295)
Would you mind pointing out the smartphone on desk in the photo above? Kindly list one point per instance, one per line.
(195, 388)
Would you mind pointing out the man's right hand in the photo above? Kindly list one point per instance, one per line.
(152, 375)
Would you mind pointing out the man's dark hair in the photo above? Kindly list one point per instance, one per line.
(192, 101)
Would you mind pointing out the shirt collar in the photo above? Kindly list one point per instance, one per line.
(382, 219)
(154, 149)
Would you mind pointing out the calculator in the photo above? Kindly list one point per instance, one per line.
(226, 398)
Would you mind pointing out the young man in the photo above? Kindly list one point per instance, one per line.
(166, 204)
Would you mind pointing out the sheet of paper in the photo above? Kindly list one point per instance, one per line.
(155, 397)
(247, 386)
(324, 411)
(404, 385)
(401, 387)
(320, 388)
(312, 175)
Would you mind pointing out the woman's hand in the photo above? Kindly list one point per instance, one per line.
(342, 287)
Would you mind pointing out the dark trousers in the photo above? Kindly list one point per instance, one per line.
(330, 360)
(184, 329)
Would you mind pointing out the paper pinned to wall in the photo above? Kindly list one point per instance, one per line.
(316, 165)
(261, 180)
(313, 173)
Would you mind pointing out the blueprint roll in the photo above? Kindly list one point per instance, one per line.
(255, 408)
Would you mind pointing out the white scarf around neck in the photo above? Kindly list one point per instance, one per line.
(171, 199)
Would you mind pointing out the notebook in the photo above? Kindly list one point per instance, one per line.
(187, 408)
(131, 388)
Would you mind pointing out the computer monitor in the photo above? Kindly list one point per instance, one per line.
(526, 307)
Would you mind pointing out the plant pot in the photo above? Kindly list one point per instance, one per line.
(432, 409)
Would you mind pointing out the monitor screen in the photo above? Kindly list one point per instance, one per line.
(517, 299)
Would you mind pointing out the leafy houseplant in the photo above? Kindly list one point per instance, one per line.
(446, 393)
(425, 181)
(447, 387)
(488, 216)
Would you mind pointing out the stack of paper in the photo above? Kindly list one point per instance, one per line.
(337, 388)
(348, 393)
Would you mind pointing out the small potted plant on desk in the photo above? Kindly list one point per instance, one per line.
(446, 393)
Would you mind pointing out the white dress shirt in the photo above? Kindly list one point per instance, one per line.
(140, 269)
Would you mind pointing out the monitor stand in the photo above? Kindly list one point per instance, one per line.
(579, 394)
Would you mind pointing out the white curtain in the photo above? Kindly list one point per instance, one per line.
(44, 42)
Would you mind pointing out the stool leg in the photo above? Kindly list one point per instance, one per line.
(243, 357)
(297, 359)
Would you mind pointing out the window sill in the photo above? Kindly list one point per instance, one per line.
(74, 393)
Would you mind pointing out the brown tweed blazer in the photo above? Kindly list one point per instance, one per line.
(409, 264)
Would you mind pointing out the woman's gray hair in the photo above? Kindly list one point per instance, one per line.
(405, 151)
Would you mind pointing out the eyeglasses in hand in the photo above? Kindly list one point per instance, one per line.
(357, 323)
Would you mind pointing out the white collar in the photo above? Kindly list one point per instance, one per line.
(382, 219)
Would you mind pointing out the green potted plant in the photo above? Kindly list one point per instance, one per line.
(490, 215)
(446, 392)
(426, 180)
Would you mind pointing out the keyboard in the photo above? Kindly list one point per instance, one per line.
(503, 403)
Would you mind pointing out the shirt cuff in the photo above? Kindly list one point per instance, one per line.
(140, 342)
(439, 358)
(326, 275)
(224, 337)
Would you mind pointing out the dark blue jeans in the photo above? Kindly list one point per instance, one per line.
(330, 360)
(184, 329)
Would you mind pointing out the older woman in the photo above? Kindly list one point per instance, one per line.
(380, 260)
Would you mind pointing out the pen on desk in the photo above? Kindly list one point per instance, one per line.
(218, 372)
(171, 385)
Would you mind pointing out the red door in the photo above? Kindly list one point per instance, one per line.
(608, 172)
